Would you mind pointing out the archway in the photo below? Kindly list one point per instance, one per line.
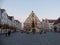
(55, 29)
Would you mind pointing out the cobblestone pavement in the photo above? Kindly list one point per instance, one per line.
(50, 38)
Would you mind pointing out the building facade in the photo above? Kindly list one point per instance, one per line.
(57, 25)
(47, 24)
(18, 25)
(8, 22)
(32, 23)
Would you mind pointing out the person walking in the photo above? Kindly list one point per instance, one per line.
(6, 32)
(9, 32)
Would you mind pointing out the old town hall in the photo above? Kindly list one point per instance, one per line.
(32, 23)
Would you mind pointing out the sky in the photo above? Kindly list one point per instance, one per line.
(21, 9)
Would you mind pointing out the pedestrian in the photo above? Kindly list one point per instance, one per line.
(41, 31)
(6, 32)
(9, 32)
(33, 31)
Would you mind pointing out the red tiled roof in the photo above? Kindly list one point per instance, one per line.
(2, 10)
(17, 21)
(10, 17)
(51, 21)
(57, 21)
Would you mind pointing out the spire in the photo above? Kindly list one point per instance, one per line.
(32, 11)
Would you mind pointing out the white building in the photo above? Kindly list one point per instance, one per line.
(57, 25)
(8, 22)
(47, 24)
(3, 16)
(44, 25)
(3, 19)
(18, 25)
(51, 22)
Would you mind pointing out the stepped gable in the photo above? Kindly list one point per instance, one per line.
(31, 17)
